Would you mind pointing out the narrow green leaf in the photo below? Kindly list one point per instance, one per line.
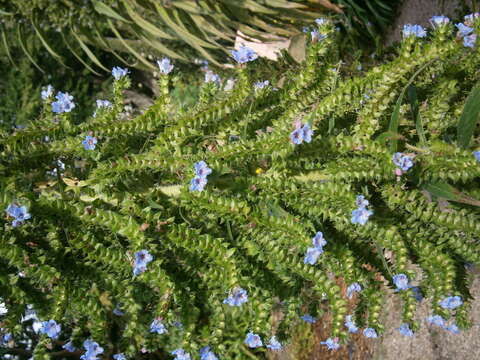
(89, 52)
(144, 24)
(412, 98)
(7, 47)
(469, 118)
(104, 9)
(79, 58)
(448, 192)
(46, 45)
(25, 50)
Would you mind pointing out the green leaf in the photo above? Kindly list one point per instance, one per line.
(79, 58)
(87, 51)
(469, 118)
(46, 45)
(412, 98)
(7, 47)
(448, 192)
(104, 9)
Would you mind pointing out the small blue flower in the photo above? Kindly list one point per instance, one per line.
(452, 328)
(413, 30)
(296, 136)
(244, 54)
(201, 169)
(403, 161)
(117, 311)
(312, 255)
(142, 258)
(354, 287)
(405, 330)
(308, 318)
(470, 40)
(198, 183)
(63, 104)
(69, 347)
(301, 133)
(237, 297)
(317, 35)
(89, 142)
(451, 302)
(332, 344)
(119, 356)
(439, 20)
(180, 354)
(307, 133)
(253, 340)
(157, 327)
(51, 329)
(261, 84)
(210, 76)
(476, 154)
(165, 65)
(118, 72)
(436, 320)
(321, 21)
(360, 216)
(350, 324)
(207, 354)
(6, 338)
(417, 293)
(92, 350)
(318, 240)
(401, 281)
(370, 333)
(463, 29)
(47, 92)
(103, 103)
(470, 18)
(19, 213)
(361, 202)
(274, 344)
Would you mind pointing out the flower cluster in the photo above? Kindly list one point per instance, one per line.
(92, 349)
(142, 258)
(47, 92)
(51, 329)
(237, 297)
(403, 162)
(413, 30)
(180, 354)
(165, 65)
(19, 214)
(261, 84)
(157, 327)
(207, 354)
(314, 252)
(302, 133)
(361, 214)
(451, 302)
(401, 282)
(63, 104)
(200, 180)
(89, 142)
(118, 72)
(466, 30)
(353, 288)
(441, 322)
(317, 35)
(244, 54)
(439, 20)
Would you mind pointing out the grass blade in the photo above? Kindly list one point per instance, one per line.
(412, 98)
(25, 50)
(469, 118)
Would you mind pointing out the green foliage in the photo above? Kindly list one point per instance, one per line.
(264, 201)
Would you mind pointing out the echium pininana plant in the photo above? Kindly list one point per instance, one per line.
(318, 196)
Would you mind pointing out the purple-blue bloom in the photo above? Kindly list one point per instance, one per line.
(361, 202)
(332, 344)
(476, 154)
(274, 344)
(403, 161)
(237, 297)
(360, 216)
(317, 35)
(307, 133)
(253, 340)
(47, 92)
(436, 320)
(6, 338)
(69, 347)
(180, 354)
(118, 311)
(415, 30)
(470, 40)
(207, 354)
(19, 213)
(92, 349)
(63, 104)
(89, 142)
(321, 21)
(354, 287)
(119, 72)
(463, 29)
(451, 302)
(261, 84)
(370, 333)
(470, 18)
(405, 330)
(210, 76)
(312, 255)
(301, 133)
(103, 103)
(142, 258)
(244, 54)
(119, 356)
(198, 183)
(157, 327)
(318, 240)
(439, 20)
(308, 318)
(165, 65)
(51, 329)
(296, 136)
(417, 294)
(350, 324)
(452, 328)
(201, 169)
(401, 281)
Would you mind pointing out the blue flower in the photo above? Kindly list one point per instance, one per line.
(198, 183)
(452, 328)
(312, 255)
(463, 29)
(210, 76)
(274, 344)
(476, 154)
(370, 333)
(207, 354)
(253, 340)
(401, 281)
(417, 293)
(118, 72)
(318, 240)
(201, 169)
(332, 344)
(301, 133)
(237, 297)
(69, 347)
(47, 92)
(157, 327)
(117, 311)
(142, 258)
(244, 54)
(296, 136)
(180, 354)
(6, 338)
(360, 216)
(405, 330)
(361, 202)
(89, 142)
(354, 287)
(317, 35)
(413, 30)
(51, 329)
(350, 324)
(120, 356)
(470, 40)
(63, 104)
(92, 349)
(321, 21)
(19, 213)
(403, 161)
(439, 20)
(436, 320)
(104, 103)
(470, 18)
(451, 302)
(261, 84)
(307, 133)
(165, 65)
(308, 318)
